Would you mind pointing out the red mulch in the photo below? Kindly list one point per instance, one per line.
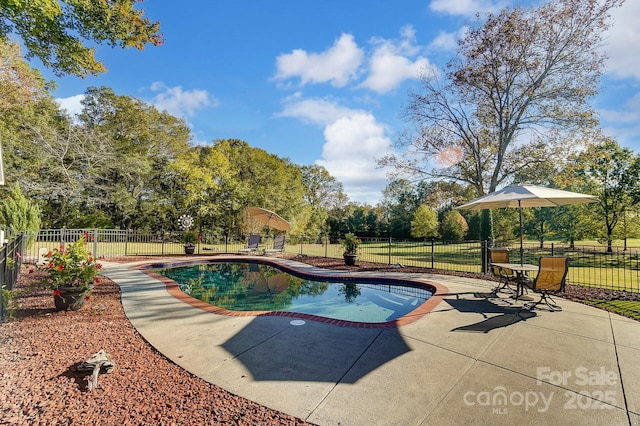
(40, 349)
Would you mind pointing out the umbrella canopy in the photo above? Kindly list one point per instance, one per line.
(273, 284)
(269, 218)
(518, 196)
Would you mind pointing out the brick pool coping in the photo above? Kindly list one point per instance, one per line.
(313, 273)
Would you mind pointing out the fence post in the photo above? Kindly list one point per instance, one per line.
(432, 253)
(95, 243)
(389, 246)
(552, 249)
(326, 244)
(3, 256)
(484, 250)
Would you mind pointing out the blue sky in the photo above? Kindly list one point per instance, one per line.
(320, 82)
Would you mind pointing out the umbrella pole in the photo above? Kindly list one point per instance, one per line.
(521, 246)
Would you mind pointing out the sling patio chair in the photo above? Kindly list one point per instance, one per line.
(552, 273)
(505, 275)
(278, 245)
(252, 245)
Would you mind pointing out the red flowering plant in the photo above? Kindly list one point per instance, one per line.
(72, 265)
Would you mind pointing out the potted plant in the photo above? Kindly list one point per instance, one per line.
(350, 244)
(73, 271)
(189, 238)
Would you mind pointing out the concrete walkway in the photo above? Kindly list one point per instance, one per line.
(469, 361)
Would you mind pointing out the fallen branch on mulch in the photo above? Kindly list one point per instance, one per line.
(96, 364)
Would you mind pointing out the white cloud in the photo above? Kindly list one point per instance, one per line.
(448, 41)
(178, 102)
(316, 111)
(352, 145)
(445, 41)
(623, 123)
(353, 142)
(72, 104)
(390, 64)
(622, 41)
(620, 116)
(337, 65)
(467, 7)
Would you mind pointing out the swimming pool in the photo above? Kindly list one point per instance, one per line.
(249, 286)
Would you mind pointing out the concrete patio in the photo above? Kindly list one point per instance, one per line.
(470, 360)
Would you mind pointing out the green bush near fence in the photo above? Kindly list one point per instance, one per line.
(9, 303)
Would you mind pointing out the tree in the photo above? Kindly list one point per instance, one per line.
(18, 213)
(19, 83)
(573, 223)
(613, 174)
(538, 223)
(26, 109)
(59, 32)
(442, 195)
(453, 226)
(74, 162)
(323, 193)
(399, 203)
(424, 223)
(505, 224)
(200, 174)
(145, 143)
(257, 178)
(523, 76)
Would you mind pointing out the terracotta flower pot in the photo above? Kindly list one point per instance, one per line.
(70, 298)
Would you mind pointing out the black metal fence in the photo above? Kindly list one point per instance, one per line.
(589, 265)
(10, 262)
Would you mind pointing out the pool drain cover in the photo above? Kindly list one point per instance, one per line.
(297, 322)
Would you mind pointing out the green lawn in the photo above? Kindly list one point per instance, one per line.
(628, 308)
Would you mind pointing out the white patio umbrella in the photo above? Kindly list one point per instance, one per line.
(518, 196)
(269, 218)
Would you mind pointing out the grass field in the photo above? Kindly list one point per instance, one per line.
(627, 308)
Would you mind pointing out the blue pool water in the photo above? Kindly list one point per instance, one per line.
(249, 286)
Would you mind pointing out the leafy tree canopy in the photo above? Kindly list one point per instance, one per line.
(18, 213)
(424, 223)
(454, 226)
(613, 174)
(58, 32)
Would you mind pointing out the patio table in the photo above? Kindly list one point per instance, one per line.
(521, 271)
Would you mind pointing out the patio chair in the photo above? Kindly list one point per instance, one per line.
(505, 275)
(552, 273)
(252, 244)
(278, 245)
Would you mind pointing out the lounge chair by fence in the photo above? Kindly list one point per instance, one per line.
(252, 245)
(278, 245)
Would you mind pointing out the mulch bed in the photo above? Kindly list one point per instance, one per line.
(41, 348)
